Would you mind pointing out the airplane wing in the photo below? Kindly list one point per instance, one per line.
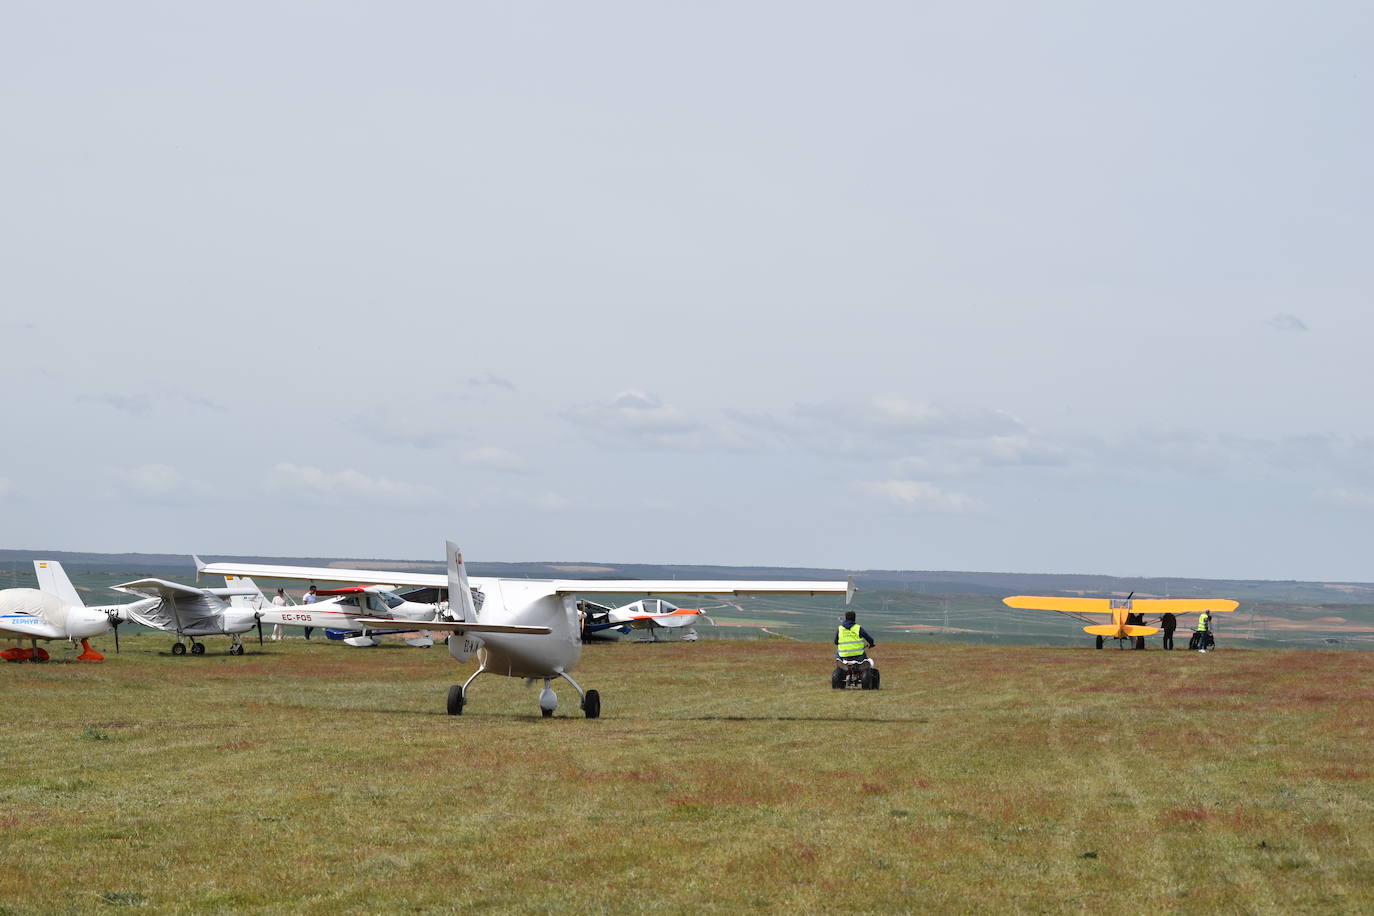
(161, 588)
(456, 626)
(326, 574)
(558, 586)
(697, 587)
(1062, 605)
(1182, 605)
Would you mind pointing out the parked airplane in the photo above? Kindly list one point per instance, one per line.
(648, 615)
(190, 611)
(1121, 610)
(339, 610)
(54, 610)
(524, 628)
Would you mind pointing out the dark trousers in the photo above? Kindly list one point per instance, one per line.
(1168, 639)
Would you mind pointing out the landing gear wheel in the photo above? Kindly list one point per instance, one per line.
(837, 679)
(178, 648)
(1099, 642)
(197, 648)
(547, 713)
(868, 680)
(236, 650)
(455, 700)
(591, 705)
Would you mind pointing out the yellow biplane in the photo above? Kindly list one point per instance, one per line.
(1128, 615)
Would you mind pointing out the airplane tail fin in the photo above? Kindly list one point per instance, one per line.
(52, 578)
(252, 602)
(460, 603)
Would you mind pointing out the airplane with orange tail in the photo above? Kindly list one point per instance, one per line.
(1121, 611)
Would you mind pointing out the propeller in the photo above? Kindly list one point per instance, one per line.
(115, 621)
(258, 621)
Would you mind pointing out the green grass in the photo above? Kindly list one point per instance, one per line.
(724, 776)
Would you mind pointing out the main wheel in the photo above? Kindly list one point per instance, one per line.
(178, 648)
(592, 705)
(1099, 642)
(455, 700)
(197, 648)
(837, 679)
(547, 713)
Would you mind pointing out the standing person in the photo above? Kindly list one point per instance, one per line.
(1204, 629)
(278, 600)
(1168, 623)
(310, 598)
(852, 641)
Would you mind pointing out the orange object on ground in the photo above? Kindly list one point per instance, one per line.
(89, 655)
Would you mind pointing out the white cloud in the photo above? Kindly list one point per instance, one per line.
(135, 405)
(639, 419)
(487, 380)
(916, 496)
(953, 457)
(159, 483)
(313, 484)
(1286, 322)
(491, 458)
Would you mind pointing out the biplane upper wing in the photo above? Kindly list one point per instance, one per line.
(1182, 605)
(1063, 605)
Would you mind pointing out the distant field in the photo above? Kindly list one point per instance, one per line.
(1330, 615)
(724, 776)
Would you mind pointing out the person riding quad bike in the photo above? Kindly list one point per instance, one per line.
(853, 667)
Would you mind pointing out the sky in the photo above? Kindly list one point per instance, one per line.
(1055, 287)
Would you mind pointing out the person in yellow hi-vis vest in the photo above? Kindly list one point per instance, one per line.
(852, 641)
(1205, 639)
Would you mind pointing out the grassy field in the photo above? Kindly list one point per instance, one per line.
(723, 776)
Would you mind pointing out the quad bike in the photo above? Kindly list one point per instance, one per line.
(854, 672)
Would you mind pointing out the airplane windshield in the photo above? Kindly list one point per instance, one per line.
(392, 599)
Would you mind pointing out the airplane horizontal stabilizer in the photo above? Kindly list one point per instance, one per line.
(1103, 629)
(1134, 630)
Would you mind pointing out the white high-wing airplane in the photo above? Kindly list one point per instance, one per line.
(55, 611)
(525, 628)
(339, 612)
(190, 611)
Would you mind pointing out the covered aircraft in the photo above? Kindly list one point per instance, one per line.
(523, 628)
(189, 611)
(54, 611)
(1127, 614)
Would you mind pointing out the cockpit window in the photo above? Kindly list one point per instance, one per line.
(392, 599)
(650, 605)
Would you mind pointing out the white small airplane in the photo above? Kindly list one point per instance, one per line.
(647, 614)
(54, 610)
(190, 611)
(338, 611)
(524, 628)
